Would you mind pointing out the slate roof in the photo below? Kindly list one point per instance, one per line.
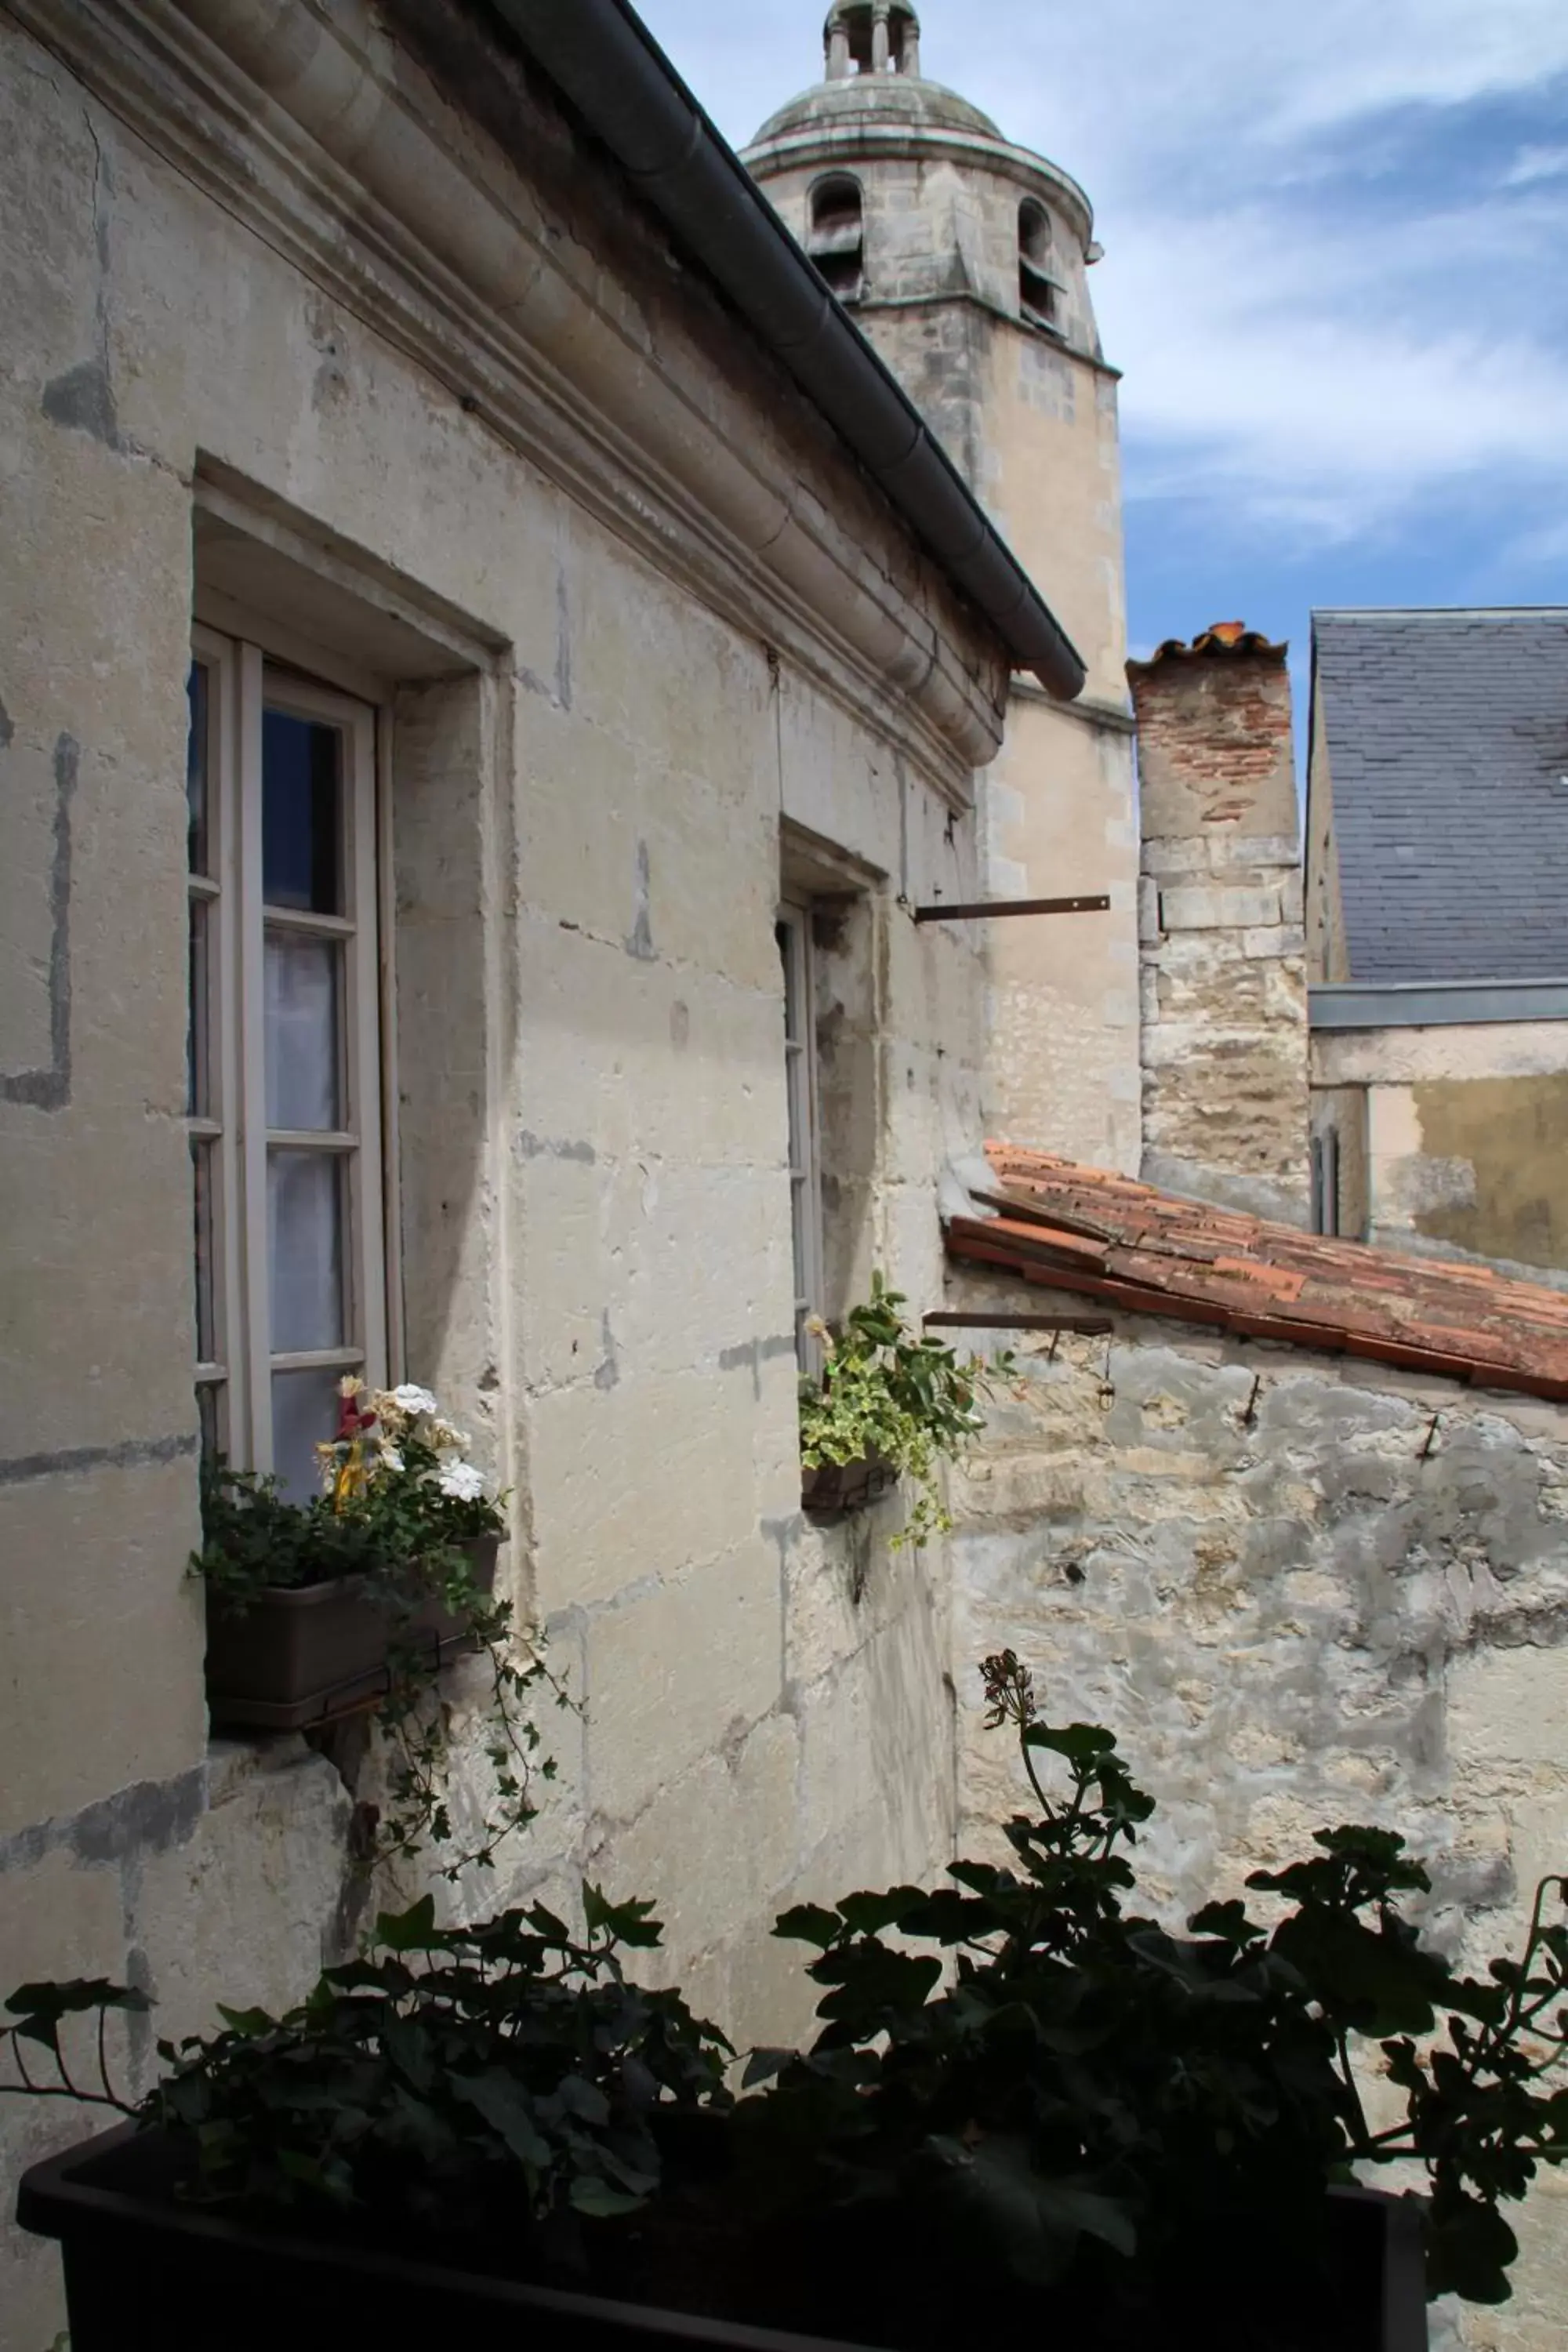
(1447, 744)
(1068, 1227)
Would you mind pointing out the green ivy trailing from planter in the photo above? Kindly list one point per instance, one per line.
(492, 2082)
(400, 1506)
(888, 1395)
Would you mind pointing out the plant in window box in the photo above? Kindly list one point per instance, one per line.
(357, 1598)
(889, 1404)
(1030, 2115)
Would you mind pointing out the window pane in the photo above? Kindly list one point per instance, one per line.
(203, 1173)
(304, 1415)
(784, 934)
(199, 823)
(301, 813)
(198, 1052)
(305, 1222)
(303, 1032)
(211, 1418)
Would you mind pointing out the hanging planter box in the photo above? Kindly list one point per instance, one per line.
(145, 2274)
(835, 1489)
(303, 1656)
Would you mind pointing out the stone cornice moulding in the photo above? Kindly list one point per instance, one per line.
(285, 112)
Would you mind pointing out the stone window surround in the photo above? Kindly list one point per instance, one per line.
(228, 1018)
(438, 687)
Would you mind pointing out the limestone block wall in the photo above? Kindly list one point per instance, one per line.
(1222, 947)
(603, 709)
(1300, 1592)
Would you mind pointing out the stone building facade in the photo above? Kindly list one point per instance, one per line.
(602, 667)
(1437, 867)
(1295, 1526)
(965, 261)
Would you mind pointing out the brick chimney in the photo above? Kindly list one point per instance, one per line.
(1222, 954)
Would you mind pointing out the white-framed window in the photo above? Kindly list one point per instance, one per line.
(285, 1094)
(792, 931)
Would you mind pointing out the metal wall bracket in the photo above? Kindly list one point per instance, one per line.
(1091, 905)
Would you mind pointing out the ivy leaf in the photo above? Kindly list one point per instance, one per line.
(505, 2106)
(627, 1923)
(808, 1923)
(595, 2196)
(408, 1931)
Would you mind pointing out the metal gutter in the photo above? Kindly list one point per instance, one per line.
(1434, 1003)
(601, 56)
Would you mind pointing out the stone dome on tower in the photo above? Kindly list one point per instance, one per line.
(858, 88)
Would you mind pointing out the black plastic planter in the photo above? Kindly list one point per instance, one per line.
(144, 2273)
(836, 1489)
(305, 1655)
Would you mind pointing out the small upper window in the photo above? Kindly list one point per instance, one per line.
(1038, 288)
(837, 238)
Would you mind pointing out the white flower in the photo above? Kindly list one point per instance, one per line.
(412, 1400)
(461, 1482)
(391, 1459)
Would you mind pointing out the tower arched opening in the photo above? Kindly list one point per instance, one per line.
(865, 37)
(1037, 286)
(836, 239)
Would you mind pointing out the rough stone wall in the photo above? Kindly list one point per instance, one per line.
(1223, 950)
(603, 709)
(1299, 1594)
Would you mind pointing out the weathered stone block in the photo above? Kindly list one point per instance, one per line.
(676, 1666)
(1183, 909)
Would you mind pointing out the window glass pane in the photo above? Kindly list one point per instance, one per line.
(212, 1419)
(303, 991)
(784, 934)
(301, 813)
(198, 1051)
(199, 823)
(304, 1415)
(798, 1237)
(203, 1173)
(305, 1222)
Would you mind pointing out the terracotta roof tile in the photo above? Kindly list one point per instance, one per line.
(1069, 1227)
(1220, 638)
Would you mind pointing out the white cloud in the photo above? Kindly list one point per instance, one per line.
(1309, 345)
(1533, 163)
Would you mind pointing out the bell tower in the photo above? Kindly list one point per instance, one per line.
(965, 261)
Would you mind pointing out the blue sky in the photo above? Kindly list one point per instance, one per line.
(1335, 274)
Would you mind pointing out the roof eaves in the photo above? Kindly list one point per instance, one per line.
(602, 57)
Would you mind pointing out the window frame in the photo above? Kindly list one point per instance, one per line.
(244, 684)
(804, 1152)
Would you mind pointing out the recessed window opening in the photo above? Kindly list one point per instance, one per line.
(1038, 288)
(837, 238)
(284, 1083)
